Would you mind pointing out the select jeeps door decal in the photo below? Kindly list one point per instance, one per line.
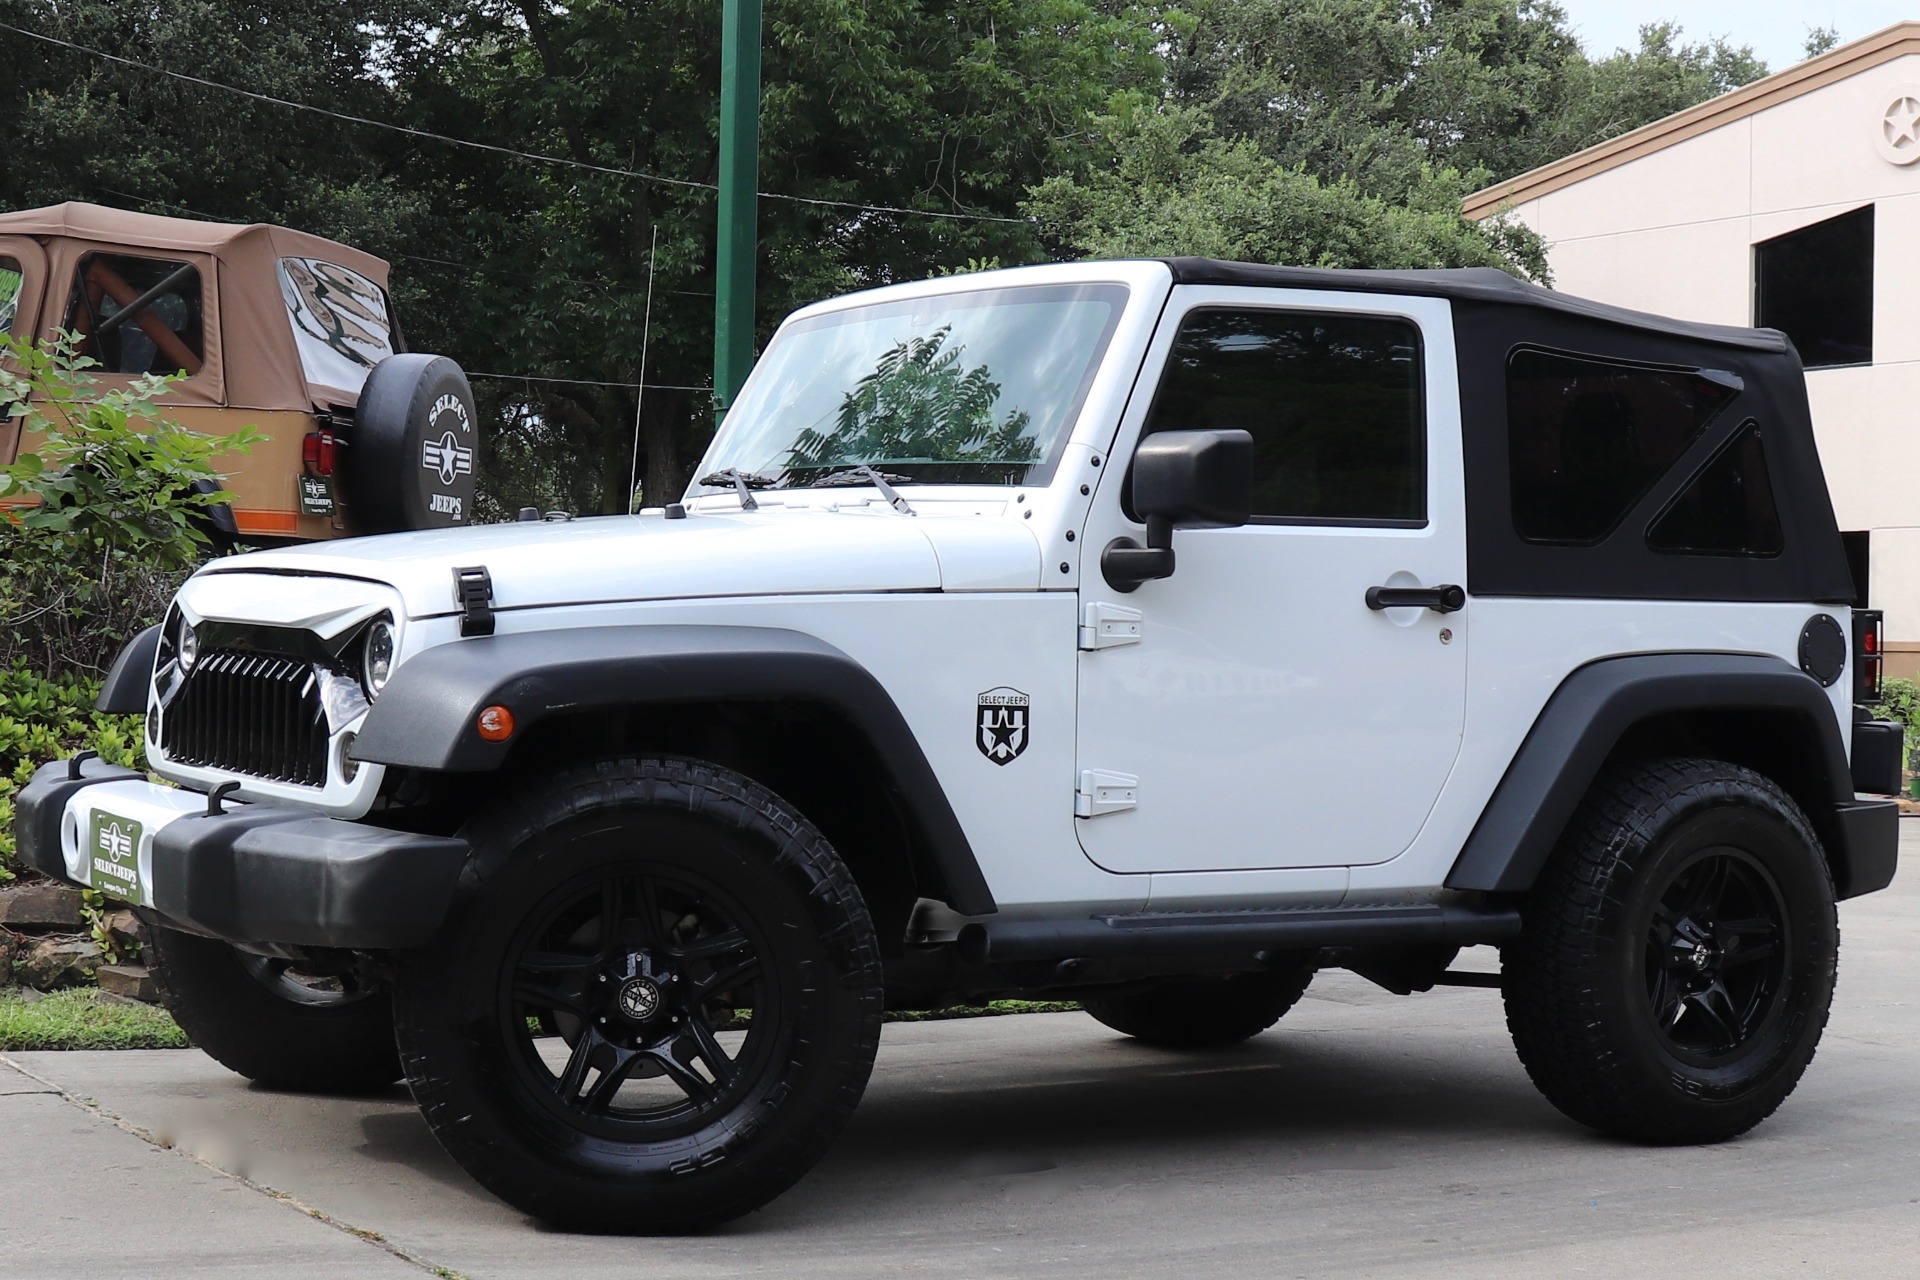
(1002, 724)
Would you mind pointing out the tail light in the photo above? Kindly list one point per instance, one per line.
(317, 451)
(1868, 654)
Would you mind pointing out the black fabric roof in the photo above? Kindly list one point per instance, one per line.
(1472, 284)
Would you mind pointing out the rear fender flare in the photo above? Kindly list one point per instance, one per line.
(1595, 707)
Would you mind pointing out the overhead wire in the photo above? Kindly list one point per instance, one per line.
(513, 152)
(465, 266)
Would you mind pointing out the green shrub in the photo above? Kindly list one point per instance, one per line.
(112, 519)
(1900, 700)
(45, 719)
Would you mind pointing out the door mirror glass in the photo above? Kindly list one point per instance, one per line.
(1194, 479)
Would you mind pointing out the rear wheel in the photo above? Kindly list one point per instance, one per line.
(272, 1022)
(1677, 957)
(1202, 1013)
(656, 1008)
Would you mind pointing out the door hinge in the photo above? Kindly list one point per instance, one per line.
(473, 592)
(1103, 626)
(1102, 791)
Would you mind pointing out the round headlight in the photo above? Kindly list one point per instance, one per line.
(377, 660)
(186, 646)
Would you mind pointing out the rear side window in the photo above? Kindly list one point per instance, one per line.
(138, 315)
(1333, 404)
(12, 281)
(1727, 509)
(340, 320)
(1587, 437)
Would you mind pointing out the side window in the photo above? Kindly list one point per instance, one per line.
(1727, 509)
(1587, 438)
(341, 324)
(1333, 403)
(138, 315)
(12, 281)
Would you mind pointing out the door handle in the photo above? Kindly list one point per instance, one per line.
(1445, 598)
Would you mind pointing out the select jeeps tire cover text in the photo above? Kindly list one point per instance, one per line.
(415, 441)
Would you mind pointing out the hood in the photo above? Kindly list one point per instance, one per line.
(609, 559)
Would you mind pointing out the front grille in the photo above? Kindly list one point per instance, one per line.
(254, 713)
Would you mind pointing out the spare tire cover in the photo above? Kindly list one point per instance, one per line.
(410, 462)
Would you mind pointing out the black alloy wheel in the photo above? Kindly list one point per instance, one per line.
(644, 978)
(654, 1005)
(1716, 956)
(1676, 959)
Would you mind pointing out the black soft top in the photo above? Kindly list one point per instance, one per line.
(1469, 284)
(1495, 315)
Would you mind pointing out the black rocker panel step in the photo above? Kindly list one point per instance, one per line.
(1281, 929)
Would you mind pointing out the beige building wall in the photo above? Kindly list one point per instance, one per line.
(1672, 231)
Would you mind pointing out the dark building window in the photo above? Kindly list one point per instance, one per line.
(1333, 403)
(1588, 437)
(1727, 509)
(1816, 286)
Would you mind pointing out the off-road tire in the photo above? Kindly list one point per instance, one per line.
(1596, 983)
(621, 833)
(250, 1016)
(1203, 1013)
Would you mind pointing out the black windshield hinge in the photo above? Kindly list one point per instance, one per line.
(473, 592)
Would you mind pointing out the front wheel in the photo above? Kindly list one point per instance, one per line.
(272, 1022)
(655, 1006)
(1676, 959)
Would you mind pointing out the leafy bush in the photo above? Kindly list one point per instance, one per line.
(111, 515)
(1900, 700)
(44, 719)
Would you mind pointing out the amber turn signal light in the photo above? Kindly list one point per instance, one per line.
(495, 724)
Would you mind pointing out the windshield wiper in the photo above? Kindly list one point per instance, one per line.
(863, 475)
(743, 482)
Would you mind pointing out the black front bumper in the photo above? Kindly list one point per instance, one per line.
(262, 873)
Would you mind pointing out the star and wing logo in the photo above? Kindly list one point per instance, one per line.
(447, 456)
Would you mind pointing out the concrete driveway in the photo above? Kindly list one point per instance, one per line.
(1367, 1135)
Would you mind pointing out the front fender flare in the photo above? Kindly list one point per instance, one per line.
(425, 718)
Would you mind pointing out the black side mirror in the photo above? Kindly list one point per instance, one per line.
(1181, 480)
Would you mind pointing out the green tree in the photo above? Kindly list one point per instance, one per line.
(938, 107)
(920, 404)
(1632, 88)
(1175, 186)
(1383, 91)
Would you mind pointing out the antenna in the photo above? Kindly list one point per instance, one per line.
(640, 392)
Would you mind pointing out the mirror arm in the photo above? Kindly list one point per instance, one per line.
(1125, 564)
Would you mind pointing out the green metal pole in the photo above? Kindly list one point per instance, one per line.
(739, 210)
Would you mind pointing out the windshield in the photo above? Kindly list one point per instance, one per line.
(969, 388)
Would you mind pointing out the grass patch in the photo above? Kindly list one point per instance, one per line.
(81, 1019)
(991, 1009)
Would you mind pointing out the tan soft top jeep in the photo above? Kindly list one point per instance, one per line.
(271, 328)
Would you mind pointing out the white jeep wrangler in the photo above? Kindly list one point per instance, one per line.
(1145, 633)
